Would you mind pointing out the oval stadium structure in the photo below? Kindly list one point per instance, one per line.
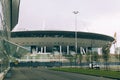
(61, 41)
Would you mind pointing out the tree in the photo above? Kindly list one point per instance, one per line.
(88, 57)
(95, 56)
(80, 57)
(117, 55)
(105, 55)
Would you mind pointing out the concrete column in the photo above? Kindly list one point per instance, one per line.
(60, 49)
(41, 49)
(99, 50)
(44, 49)
(86, 50)
(81, 50)
(68, 50)
(36, 49)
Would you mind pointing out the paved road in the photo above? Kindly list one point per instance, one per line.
(45, 74)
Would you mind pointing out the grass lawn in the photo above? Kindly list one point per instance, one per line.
(101, 73)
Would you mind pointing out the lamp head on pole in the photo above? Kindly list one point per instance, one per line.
(75, 12)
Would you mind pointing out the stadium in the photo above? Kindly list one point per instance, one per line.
(51, 41)
(58, 48)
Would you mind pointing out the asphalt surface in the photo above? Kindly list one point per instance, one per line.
(45, 74)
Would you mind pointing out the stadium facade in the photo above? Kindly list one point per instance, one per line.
(51, 41)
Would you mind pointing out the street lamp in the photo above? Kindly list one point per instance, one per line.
(76, 12)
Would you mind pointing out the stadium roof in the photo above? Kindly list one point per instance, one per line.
(71, 34)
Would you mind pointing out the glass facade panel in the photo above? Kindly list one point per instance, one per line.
(8, 50)
(1, 20)
(4, 60)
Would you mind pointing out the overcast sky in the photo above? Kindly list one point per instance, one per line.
(99, 16)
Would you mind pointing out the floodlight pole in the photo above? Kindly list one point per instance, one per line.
(75, 12)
